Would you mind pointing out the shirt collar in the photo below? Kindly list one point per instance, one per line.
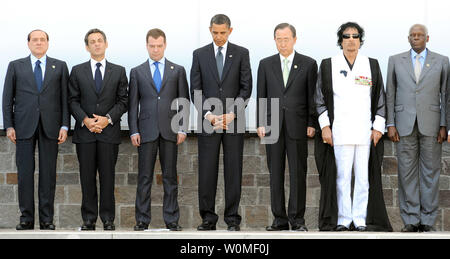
(162, 61)
(290, 57)
(94, 63)
(422, 54)
(42, 59)
(224, 47)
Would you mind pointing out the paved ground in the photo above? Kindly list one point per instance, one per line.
(219, 234)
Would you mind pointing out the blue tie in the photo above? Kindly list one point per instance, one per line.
(38, 75)
(98, 78)
(157, 76)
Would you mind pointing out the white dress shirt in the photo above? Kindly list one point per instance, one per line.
(94, 67)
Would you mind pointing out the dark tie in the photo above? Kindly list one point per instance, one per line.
(38, 75)
(219, 62)
(157, 76)
(98, 78)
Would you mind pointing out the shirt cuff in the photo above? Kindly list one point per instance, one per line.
(379, 124)
(135, 134)
(182, 132)
(324, 120)
(65, 128)
(208, 113)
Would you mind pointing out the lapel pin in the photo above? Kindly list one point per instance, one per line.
(171, 67)
(295, 66)
(230, 56)
(53, 66)
(428, 65)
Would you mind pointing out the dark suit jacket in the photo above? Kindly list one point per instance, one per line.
(23, 105)
(236, 79)
(84, 101)
(149, 112)
(296, 100)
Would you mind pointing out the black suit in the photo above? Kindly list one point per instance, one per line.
(97, 151)
(236, 83)
(150, 115)
(36, 116)
(296, 114)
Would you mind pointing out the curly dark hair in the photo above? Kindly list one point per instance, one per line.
(350, 25)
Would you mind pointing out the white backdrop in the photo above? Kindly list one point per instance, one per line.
(186, 23)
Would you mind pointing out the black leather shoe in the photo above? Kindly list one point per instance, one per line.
(206, 225)
(341, 228)
(277, 227)
(109, 226)
(140, 226)
(88, 226)
(174, 227)
(47, 226)
(410, 228)
(234, 227)
(25, 226)
(361, 228)
(300, 228)
(426, 228)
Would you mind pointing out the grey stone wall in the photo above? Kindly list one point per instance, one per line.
(255, 201)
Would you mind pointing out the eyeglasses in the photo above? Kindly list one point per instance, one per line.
(354, 36)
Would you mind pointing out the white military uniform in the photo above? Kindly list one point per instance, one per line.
(352, 129)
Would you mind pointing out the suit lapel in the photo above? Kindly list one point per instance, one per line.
(148, 75)
(276, 67)
(28, 68)
(88, 72)
(228, 61)
(409, 66)
(212, 62)
(295, 69)
(427, 65)
(107, 76)
(49, 71)
(168, 70)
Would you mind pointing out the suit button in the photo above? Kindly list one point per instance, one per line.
(98, 104)
(220, 89)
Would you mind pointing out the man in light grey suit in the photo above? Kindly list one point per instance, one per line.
(416, 102)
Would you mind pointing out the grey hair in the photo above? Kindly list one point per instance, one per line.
(421, 26)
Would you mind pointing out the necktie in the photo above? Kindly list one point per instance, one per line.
(219, 62)
(38, 75)
(417, 68)
(157, 76)
(285, 71)
(98, 78)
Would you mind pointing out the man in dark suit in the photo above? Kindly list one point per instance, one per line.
(35, 109)
(154, 85)
(98, 98)
(220, 70)
(291, 78)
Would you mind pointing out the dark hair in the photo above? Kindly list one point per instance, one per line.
(283, 26)
(156, 33)
(347, 25)
(29, 34)
(220, 19)
(86, 41)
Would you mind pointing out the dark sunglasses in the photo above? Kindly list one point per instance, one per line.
(354, 36)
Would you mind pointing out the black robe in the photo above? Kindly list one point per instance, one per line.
(377, 217)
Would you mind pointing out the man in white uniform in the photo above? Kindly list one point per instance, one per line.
(353, 126)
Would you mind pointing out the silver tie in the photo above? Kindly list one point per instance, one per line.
(417, 69)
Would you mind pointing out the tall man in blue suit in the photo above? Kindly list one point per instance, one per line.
(35, 109)
(220, 70)
(154, 85)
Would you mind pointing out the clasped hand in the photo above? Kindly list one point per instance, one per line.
(96, 124)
